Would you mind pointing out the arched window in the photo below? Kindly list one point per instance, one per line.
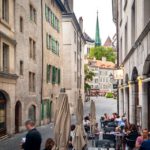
(32, 113)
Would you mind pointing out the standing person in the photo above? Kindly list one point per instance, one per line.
(33, 138)
(141, 138)
(146, 144)
(49, 145)
(132, 136)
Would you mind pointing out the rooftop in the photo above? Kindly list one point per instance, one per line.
(102, 64)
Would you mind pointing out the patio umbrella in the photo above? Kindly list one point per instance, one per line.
(80, 136)
(62, 122)
(93, 116)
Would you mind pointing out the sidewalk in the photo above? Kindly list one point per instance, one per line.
(13, 143)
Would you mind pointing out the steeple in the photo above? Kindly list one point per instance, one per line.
(97, 34)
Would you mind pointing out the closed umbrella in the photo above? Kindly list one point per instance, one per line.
(93, 115)
(62, 122)
(79, 138)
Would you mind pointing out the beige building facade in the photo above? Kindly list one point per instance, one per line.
(133, 25)
(73, 55)
(52, 56)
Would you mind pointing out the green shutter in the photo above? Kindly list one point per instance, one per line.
(48, 73)
(49, 16)
(54, 74)
(42, 110)
(47, 41)
(58, 48)
(48, 109)
(46, 12)
(59, 76)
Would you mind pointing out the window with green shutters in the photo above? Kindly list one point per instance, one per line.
(48, 73)
(51, 18)
(52, 44)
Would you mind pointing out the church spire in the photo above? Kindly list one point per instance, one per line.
(97, 34)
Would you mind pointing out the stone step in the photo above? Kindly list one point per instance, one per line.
(95, 148)
(4, 137)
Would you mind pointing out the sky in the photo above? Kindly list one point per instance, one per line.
(88, 10)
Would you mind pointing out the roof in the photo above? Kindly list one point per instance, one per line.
(102, 64)
(60, 5)
(108, 42)
(88, 38)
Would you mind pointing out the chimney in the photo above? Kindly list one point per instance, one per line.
(81, 23)
(70, 3)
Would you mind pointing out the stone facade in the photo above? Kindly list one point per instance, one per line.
(8, 75)
(24, 57)
(51, 88)
(134, 53)
(73, 57)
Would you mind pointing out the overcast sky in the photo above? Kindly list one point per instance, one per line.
(88, 8)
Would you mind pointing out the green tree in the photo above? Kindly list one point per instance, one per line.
(88, 77)
(101, 51)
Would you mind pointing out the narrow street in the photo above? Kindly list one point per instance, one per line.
(102, 106)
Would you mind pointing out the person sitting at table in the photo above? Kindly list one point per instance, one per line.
(140, 139)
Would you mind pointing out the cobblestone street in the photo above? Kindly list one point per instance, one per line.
(102, 105)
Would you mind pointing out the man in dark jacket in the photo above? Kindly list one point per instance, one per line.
(33, 138)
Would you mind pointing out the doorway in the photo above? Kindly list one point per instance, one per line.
(3, 124)
(18, 115)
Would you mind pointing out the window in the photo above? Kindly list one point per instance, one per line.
(52, 18)
(31, 82)
(5, 10)
(126, 39)
(56, 75)
(32, 113)
(5, 57)
(32, 14)
(21, 24)
(133, 27)
(21, 67)
(49, 73)
(146, 11)
(32, 44)
(52, 44)
(75, 76)
(120, 50)
(120, 12)
(75, 37)
(75, 57)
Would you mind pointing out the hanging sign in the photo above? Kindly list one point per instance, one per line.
(118, 74)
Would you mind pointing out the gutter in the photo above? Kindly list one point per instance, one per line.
(42, 24)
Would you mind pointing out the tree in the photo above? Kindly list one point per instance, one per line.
(88, 77)
(101, 51)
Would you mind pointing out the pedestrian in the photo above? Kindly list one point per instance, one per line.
(49, 145)
(141, 138)
(33, 138)
(132, 136)
(146, 144)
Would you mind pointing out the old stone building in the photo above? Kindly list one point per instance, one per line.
(134, 54)
(28, 35)
(73, 55)
(8, 75)
(52, 56)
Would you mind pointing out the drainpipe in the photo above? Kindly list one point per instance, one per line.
(42, 57)
(117, 29)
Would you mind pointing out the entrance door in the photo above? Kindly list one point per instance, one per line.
(136, 102)
(17, 116)
(2, 114)
(148, 92)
